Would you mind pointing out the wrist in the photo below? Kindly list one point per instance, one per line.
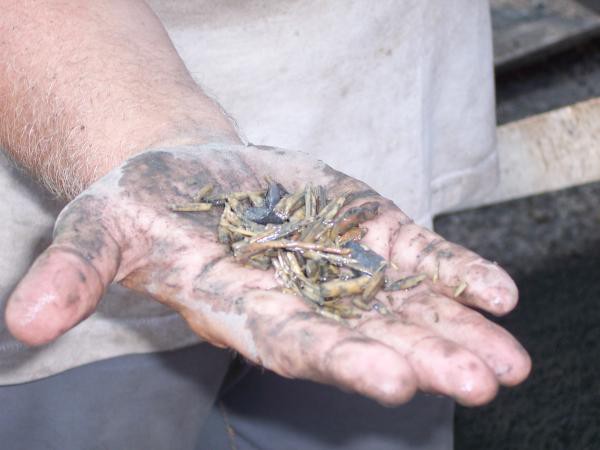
(108, 146)
(179, 128)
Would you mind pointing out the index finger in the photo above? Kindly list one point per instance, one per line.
(453, 270)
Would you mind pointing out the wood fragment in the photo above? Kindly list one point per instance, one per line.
(289, 204)
(352, 235)
(191, 207)
(323, 219)
(312, 247)
(356, 301)
(340, 288)
(460, 288)
(405, 283)
(245, 251)
(203, 192)
(373, 286)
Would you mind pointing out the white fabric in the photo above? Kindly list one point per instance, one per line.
(396, 93)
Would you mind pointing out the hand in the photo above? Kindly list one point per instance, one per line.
(121, 229)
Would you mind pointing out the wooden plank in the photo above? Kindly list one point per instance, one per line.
(548, 152)
(528, 29)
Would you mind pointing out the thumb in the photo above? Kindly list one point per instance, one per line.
(65, 283)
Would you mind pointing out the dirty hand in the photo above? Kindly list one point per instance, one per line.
(121, 229)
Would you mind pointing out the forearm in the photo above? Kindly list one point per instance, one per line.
(86, 84)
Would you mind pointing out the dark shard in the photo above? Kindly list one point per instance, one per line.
(283, 190)
(368, 261)
(262, 216)
(274, 193)
(256, 214)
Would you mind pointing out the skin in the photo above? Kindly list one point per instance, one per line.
(120, 229)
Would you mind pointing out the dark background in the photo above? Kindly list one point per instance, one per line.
(550, 244)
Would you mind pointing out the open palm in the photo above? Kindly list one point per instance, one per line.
(121, 229)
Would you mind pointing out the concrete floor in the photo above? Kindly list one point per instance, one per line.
(551, 246)
(566, 78)
(526, 29)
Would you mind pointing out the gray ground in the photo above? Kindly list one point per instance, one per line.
(551, 245)
(563, 79)
(524, 29)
